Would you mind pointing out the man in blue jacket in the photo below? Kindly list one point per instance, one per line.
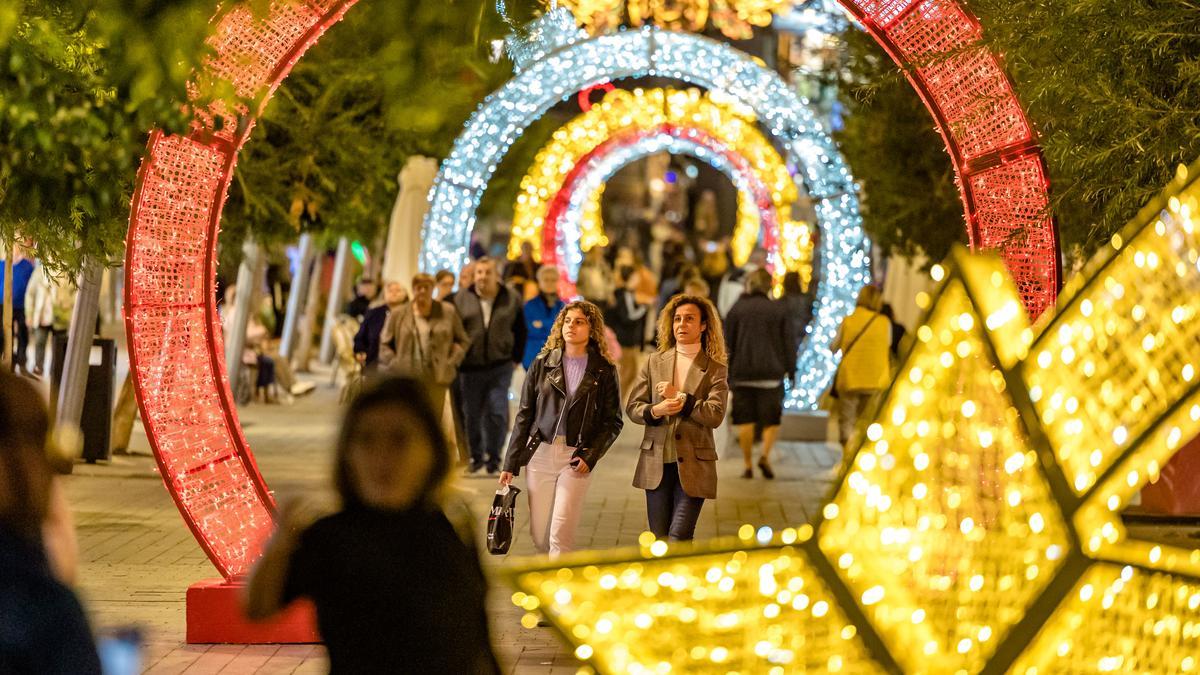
(540, 313)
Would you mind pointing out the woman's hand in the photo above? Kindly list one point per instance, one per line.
(295, 515)
(505, 478)
(666, 407)
(661, 388)
(579, 465)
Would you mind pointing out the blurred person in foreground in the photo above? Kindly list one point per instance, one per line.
(570, 414)
(680, 397)
(42, 626)
(865, 340)
(397, 587)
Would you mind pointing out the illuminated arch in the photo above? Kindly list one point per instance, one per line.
(624, 112)
(170, 310)
(578, 197)
(729, 75)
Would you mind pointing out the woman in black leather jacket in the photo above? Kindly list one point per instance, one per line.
(570, 414)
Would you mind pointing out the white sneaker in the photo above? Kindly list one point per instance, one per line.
(302, 388)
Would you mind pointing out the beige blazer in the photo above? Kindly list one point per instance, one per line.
(448, 343)
(708, 390)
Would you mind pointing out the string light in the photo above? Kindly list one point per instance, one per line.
(958, 539)
(734, 18)
(730, 127)
(176, 357)
(730, 77)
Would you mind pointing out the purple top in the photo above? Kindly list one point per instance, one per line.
(575, 366)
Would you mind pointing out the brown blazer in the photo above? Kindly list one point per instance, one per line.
(448, 342)
(708, 390)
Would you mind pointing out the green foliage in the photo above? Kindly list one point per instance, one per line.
(1112, 87)
(393, 80)
(80, 84)
(911, 204)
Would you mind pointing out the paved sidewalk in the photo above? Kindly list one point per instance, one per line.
(138, 558)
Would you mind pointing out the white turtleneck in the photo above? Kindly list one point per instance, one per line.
(685, 356)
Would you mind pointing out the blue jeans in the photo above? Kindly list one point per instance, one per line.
(671, 511)
(485, 411)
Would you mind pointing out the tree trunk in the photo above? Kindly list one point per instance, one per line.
(287, 338)
(7, 354)
(79, 345)
(312, 305)
(235, 339)
(333, 309)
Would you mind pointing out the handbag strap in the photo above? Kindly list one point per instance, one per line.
(846, 351)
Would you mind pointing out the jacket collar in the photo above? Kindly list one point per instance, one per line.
(499, 294)
(695, 373)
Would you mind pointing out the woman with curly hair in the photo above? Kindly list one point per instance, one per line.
(570, 414)
(680, 396)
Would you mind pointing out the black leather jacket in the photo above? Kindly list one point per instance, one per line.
(593, 418)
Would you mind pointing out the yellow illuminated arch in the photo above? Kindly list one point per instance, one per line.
(622, 111)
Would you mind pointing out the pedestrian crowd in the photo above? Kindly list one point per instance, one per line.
(395, 573)
(41, 309)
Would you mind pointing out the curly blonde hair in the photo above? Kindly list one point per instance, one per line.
(712, 339)
(596, 329)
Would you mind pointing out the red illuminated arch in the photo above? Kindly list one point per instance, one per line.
(557, 208)
(170, 313)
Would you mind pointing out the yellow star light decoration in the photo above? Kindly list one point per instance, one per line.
(976, 527)
(731, 124)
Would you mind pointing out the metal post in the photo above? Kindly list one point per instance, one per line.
(235, 340)
(333, 309)
(296, 297)
(79, 345)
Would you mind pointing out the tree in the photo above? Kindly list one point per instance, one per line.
(1111, 86)
(81, 84)
(393, 80)
(911, 204)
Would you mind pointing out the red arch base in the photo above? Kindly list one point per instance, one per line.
(170, 313)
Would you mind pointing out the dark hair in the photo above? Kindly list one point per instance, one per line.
(24, 467)
(386, 392)
(887, 311)
(625, 272)
(791, 284)
(443, 274)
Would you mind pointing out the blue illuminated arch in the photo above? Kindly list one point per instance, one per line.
(726, 72)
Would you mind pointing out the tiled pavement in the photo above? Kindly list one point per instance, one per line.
(137, 557)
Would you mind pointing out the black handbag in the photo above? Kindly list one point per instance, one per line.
(501, 520)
